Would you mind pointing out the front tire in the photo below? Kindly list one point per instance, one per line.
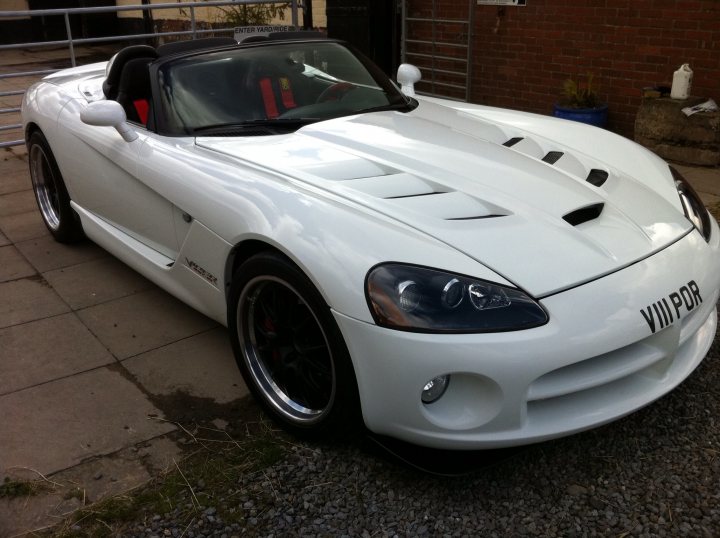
(289, 348)
(50, 192)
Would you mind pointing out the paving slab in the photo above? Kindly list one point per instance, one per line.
(17, 151)
(708, 199)
(15, 176)
(17, 202)
(28, 299)
(46, 254)
(23, 226)
(703, 179)
(13, 265)
(123, 470)
(3, 240)
(47, 349)
(202, 366)
(93, 480)
(90, 414)
(21, 516)
(143, 321)
(94, 282)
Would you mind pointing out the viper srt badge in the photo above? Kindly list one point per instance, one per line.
(194, 267)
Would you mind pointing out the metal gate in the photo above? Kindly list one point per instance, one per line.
(10, 90)
(437, 38)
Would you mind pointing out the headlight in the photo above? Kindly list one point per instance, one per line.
(412, 298)
(693, 207)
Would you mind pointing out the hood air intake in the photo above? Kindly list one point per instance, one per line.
(552, 157)
(510, 143)
(584, 214)
(597, 177)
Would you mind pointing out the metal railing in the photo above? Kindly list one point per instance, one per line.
(71, 42)
(461, 64)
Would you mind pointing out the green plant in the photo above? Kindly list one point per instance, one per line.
(251, 15)
(20, 488)
(579, 94)
(247, 15)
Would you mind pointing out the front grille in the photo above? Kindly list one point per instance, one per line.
(624, 373)
(648, 355)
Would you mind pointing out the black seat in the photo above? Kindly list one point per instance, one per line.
(178, 47)
(134, 91)
(112, 82)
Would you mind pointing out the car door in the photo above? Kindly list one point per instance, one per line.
(103, 172)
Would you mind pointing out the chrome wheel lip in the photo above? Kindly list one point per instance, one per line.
(291, 410)
(45, 187)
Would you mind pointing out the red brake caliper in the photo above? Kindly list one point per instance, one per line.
(269, 326)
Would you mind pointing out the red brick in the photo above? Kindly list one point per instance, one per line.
(628, 44)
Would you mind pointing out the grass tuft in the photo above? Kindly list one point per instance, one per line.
(21, 488)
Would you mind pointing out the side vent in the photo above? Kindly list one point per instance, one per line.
(510, 143)
(597, 177)
(584, 214)
(552, 157)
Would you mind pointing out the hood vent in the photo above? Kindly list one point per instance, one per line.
(584, 214)
(552, 157)
(478, 217)
(597, 177)
(414, 195)
(510, 143)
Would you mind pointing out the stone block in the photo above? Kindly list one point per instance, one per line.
(662, 127)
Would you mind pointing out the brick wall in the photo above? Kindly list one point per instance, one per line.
(522, 55)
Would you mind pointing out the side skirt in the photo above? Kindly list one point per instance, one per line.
(180, 278)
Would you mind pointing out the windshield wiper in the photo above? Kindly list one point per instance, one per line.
(405, 106)
(281, 124)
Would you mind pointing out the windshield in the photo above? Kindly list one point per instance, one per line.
(270, 88)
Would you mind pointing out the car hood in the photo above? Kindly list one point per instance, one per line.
(545, 214)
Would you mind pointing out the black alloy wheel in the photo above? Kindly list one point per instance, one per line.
(289, 348)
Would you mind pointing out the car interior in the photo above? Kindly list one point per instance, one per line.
(128, 78)
(223, 89)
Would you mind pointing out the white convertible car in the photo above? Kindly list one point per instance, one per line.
(453, 275)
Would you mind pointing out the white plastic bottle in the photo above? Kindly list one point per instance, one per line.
(682, 82)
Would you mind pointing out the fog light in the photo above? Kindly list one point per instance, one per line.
(435, 388)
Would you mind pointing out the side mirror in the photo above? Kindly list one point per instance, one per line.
(108, 114)
(407, 76)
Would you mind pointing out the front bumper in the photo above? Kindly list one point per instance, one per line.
(595, 361)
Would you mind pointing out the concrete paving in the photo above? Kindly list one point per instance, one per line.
(88, 349)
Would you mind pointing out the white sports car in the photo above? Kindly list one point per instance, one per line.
(455, 275)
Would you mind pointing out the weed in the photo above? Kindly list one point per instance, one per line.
(21, 488)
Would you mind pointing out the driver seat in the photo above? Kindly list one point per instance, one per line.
(135, 93)
(275, 88)
(117, 66)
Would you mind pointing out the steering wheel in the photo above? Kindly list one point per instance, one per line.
(335, 92)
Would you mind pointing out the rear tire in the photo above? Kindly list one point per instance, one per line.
(290, 350)
(50, 192)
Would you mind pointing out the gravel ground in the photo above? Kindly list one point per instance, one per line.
(655, 473)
